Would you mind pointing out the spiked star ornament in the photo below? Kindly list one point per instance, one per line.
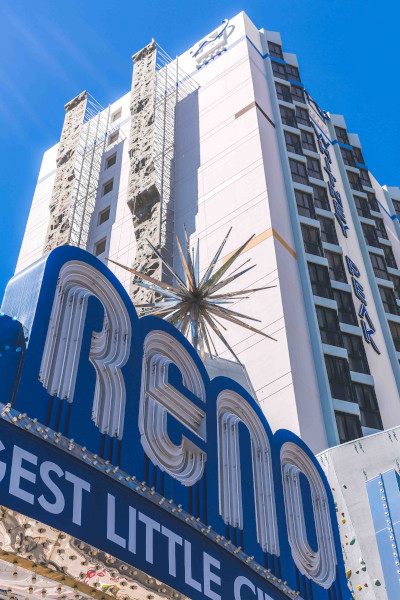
(196, 305)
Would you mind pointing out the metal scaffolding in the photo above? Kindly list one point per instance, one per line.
(171, 86)
(87, 170)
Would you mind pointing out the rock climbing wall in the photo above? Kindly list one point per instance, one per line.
(348, 468)
(58, 231)
(360, 581)
(143, 194)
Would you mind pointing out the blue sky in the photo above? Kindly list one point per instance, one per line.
(51, 50)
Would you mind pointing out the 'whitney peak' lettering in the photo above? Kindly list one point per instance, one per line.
(366, 321)
(335, 195)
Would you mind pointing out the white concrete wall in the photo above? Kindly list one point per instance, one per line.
(38, 220)
(228, 173)
(121, 241)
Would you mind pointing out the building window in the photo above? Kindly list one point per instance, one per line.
(355, 181)
(362, 206)
(388, 300)
(341, 135)
(381, 229)
(111, 160)
(320, 282)
(348, 157)
(348, 426)
(288, 116)
(283, 92)
(355, 349)
(395, 279)
(275, 50)
(372, 201)
(379, 266)
(396, 206)
(100, 247)
(113, 137)
(320, 197)
(292, 73)
(389, 256)
(312, 242)
(328, 231)
(297, 93)
(395, 331)
(278, 70)
(369, 410)
(358, 156)
(305, 205)
(308, 140)
(336, 266)
(314, 167)
(302, 116)
(365, 180)
(339, 378)
(370, 235)
(329, 326)
(299, 171)
(116, 115)
(104, 215)
(293, 143)
(107, 187)
(346, 310)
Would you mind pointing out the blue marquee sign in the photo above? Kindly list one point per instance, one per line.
(112, 419)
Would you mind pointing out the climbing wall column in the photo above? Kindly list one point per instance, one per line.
(143, 194)
(58, 231)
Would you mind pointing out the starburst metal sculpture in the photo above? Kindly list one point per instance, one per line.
(194, 306)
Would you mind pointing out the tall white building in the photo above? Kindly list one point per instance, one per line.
(227, 135)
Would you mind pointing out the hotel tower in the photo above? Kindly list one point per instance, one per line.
(228, 135)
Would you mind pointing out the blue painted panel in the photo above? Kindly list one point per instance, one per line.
(343, 145)
(12, 351)
(295, 82)
(384, 499)
(278, 60)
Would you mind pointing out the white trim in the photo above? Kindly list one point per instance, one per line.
(219, 188)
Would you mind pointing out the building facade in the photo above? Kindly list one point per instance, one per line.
(227, 135)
